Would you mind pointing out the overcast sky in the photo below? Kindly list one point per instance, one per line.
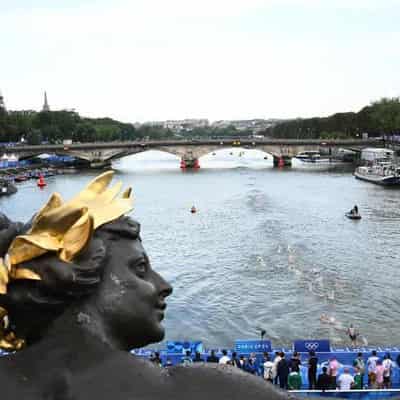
(142, 60)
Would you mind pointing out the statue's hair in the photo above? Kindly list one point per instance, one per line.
(32, 305)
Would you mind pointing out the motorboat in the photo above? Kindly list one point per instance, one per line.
(351, 215)
(384, 173)
(314, 157)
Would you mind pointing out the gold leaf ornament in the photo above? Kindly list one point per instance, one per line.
(9, 271)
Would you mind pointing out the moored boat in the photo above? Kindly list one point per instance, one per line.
(315, 157)
(7, 188)
(381, 173)
(21, 178)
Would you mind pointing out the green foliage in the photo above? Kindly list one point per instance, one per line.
(380, 117)
(56, 126)
(386, 113)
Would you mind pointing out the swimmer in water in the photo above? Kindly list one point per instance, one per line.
(327, 319)
(331, 295)
(351, 331)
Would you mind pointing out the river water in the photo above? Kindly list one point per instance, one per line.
(268, 248)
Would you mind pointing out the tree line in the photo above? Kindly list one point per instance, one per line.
(381, 117)
(55, 126)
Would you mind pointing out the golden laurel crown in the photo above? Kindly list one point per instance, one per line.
(65, 228)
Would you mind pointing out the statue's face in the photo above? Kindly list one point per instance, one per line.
(132, 295)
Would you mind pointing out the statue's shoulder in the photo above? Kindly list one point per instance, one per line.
(214, 381)
(15, 379)
(114, 375)
(119, 376)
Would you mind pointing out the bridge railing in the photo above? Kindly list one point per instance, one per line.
(198, 142)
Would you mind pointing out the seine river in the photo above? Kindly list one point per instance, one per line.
(268, 248)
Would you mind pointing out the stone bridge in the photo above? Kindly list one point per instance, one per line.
(99, 155)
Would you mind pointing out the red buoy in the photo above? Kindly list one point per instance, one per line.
(183, 164)
(281, 162)
(196, 164)
(41, 183)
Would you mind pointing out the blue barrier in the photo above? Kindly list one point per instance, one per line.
(253, 346)
(349, 394)
(304, 346)
(345, 357)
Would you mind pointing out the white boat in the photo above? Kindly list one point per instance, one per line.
(314, 157)
(381, 173)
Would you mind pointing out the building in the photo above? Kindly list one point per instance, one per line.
(252, 125)
(179, 125)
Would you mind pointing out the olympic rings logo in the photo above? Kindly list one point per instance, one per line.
(311, 346)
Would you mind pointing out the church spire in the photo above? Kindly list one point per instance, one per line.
(45, 104)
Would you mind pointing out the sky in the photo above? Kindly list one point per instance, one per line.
(153, 60)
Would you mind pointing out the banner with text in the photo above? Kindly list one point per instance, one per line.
(253, 346)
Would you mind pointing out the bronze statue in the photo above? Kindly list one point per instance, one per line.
(79, 292)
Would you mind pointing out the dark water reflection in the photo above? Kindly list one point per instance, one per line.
(267, 248)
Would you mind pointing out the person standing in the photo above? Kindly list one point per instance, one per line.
(155, 359)
(295, 362)
(197, 357)
(294, 380)
(333, 370)
(359, 364)
(379, 371)
(275, 368)
(235, 361)
(312, 370)
(168, 363)
(250, 367)
(371, 364)
(324, 380)
(187, 360)
(268, 369)
(212, 358)
(283, 371)
(358, 379)
(387, 373)
(345, 380)
(225, 359)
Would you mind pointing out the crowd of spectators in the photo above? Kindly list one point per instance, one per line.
(286, 373)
